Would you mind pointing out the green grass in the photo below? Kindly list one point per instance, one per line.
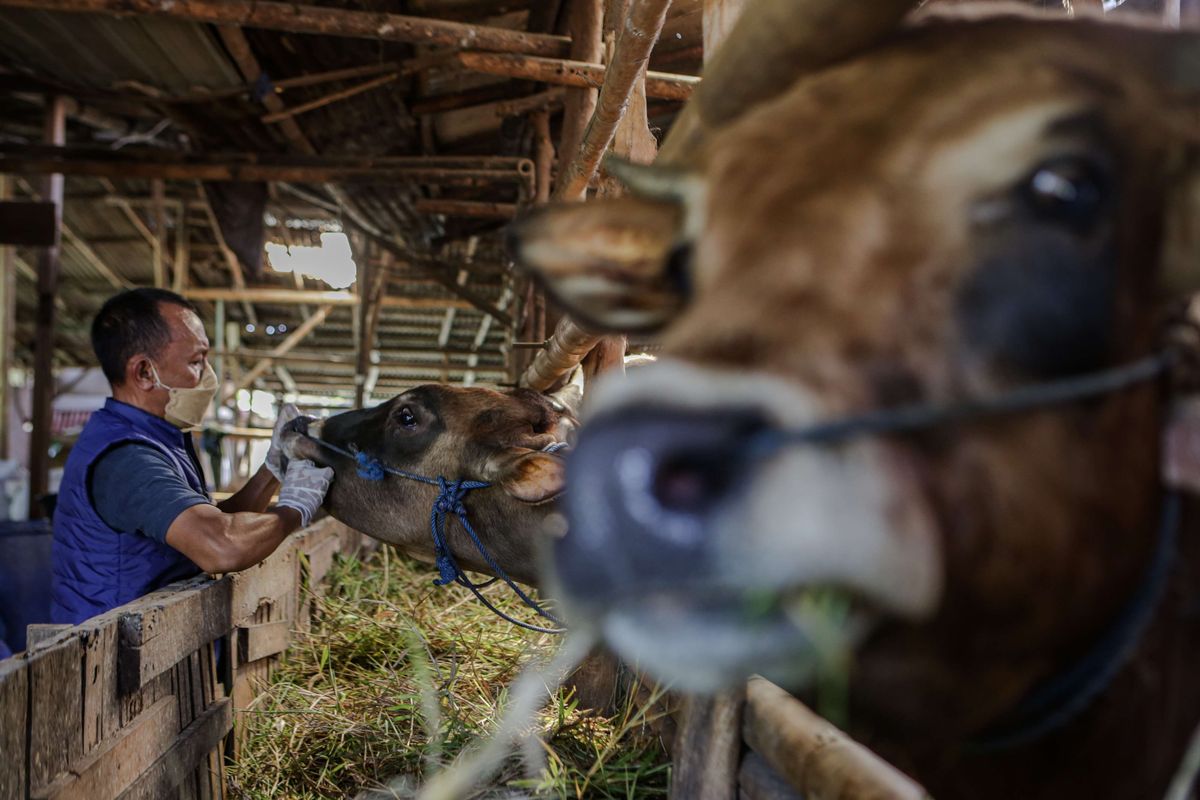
(398, 676)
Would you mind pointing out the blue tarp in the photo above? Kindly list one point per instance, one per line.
(24, 580)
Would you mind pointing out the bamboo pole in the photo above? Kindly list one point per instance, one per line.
(579, 74)
(566, 348)
(12, 161)
(47, 287)
(585, 24)
(317, 297)
(296, 18)
(329, 99)
(466, 208)
(814, 756)
(642, 26)
(294, 338)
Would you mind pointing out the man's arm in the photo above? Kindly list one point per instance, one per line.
(254, 496)
(217, 541)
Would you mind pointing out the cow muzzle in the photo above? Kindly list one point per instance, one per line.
(699, 559)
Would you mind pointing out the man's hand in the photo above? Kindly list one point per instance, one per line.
(304, 488)
(274, 462)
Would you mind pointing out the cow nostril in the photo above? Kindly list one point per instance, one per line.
(690, 484)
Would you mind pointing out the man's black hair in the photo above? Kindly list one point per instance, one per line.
(130, 323)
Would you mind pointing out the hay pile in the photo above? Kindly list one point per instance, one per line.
(397, 676)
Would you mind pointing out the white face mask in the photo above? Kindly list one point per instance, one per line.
(186, 407)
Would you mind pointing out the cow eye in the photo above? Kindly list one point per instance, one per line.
(407, 418)
(1071, 191)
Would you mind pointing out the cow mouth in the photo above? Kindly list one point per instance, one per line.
(703, 642)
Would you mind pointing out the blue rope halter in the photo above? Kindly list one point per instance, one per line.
(449, 502)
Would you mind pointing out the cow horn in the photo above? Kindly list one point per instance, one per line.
(663, 182)
(772, 44)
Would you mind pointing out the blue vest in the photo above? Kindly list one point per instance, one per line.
(95, 567)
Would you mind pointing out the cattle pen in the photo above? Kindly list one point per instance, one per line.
(890, 432)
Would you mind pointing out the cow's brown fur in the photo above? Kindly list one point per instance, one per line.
(836, 240)
(468, 433)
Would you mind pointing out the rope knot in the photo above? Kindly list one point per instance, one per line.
(450, 496)
(369, 468)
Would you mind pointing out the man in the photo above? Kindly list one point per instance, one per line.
(133, 512)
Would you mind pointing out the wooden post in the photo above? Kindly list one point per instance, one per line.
(43, 364)
(584, 20)
(158, 190)
(219, 342)
(8, 323)
(708, 747)
(182, 251)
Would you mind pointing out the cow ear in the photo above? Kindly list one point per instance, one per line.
(614, 264)
(617, 264)
(527, 475)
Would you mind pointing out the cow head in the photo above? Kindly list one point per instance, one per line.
(968, 204)
(457, 433)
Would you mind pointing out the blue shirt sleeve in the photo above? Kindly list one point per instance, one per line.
(135, 489)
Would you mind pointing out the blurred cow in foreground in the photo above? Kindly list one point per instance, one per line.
(860, 213)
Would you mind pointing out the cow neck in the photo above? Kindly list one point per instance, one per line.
(450, 501)
(1060, 699)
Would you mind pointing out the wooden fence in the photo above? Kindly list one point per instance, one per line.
(131, 704)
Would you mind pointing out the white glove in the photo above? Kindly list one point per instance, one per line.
(304, 488)
(274, 462)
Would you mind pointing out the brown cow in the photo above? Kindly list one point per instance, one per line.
(456, 433)
(934, 212)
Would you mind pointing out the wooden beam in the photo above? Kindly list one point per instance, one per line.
(183, 250)
(467, 208)
(296, 18)
(329, 99)
(707, 748)
(579, 74)
(812, 754)
(158, 211)
(43, 359)
(316, 296)
(18, 160)
(89, 255)
(294, 338)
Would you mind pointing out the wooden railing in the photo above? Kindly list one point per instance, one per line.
(131, 704)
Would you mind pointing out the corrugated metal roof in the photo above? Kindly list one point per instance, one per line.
(104, 52)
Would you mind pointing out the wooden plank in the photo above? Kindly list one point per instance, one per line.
(181, 759)
(157, 629)
(269, 583)
(14, 717)
(814, 756)
(707, 748)
(114, 767)
(101, 703)
(55, 714)
(39, 632)
(260, 641)
(758, 781)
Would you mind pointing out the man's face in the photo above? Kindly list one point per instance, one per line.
(181, 363)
